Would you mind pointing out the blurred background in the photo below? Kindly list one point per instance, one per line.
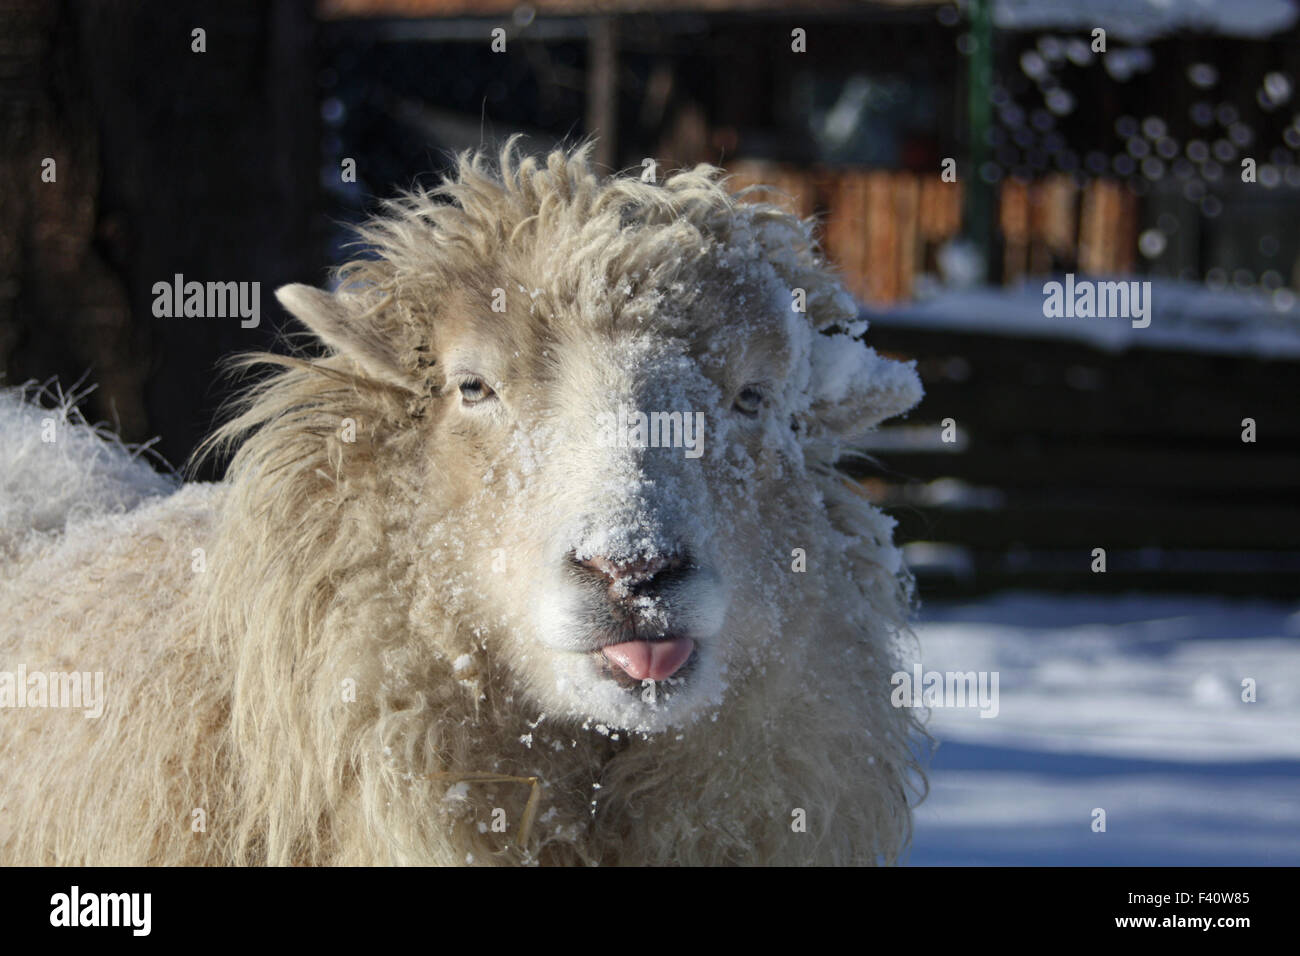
(1119, 154)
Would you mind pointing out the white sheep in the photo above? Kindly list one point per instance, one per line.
(545, 559)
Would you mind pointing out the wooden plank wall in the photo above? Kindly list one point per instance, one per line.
(1070, 448)
(883, 228)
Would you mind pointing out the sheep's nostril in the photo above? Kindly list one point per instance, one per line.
(641, 569)
(627, 578)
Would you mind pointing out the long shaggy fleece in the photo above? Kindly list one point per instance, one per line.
(293, 678)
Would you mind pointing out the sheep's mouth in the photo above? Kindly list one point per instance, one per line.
(634, 664)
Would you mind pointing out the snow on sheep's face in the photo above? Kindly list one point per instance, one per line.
(631, 485)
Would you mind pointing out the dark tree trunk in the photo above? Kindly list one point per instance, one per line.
(169, 161)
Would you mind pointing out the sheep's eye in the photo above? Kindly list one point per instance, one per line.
(749, 401)
(474, 390)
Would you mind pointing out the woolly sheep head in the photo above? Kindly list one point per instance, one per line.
(625, 393)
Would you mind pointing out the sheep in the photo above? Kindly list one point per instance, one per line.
(449, 604)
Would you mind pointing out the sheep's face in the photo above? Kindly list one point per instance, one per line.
(626, 490)
(613, 477)
(618, 503)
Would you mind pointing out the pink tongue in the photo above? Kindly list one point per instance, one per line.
(650, 660)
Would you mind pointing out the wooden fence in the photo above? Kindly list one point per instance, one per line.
(883, 228)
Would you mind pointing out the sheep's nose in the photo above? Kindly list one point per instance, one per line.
(629, 577)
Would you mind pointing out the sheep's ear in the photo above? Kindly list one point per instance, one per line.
(854, 389)
(342, 331)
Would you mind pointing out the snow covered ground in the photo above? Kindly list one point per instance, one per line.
(1185, 316)
(1129, 704)
(1142, 20)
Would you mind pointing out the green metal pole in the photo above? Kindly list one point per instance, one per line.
(979, 110)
